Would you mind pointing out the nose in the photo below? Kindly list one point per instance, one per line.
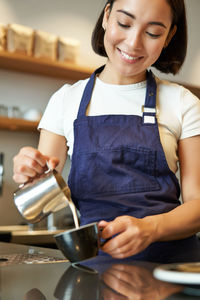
(134, 40)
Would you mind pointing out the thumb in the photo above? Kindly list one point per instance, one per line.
(102, 224)
(52, 162)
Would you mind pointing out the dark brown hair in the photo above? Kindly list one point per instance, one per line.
(173, 56)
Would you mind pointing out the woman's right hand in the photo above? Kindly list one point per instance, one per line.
(30, 162)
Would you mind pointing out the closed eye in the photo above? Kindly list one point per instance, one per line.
(123, 25)
(153, 35)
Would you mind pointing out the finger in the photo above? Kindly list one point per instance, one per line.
(35, 154)
(18, 178)
(126, 268)
(29, 158)
(124, 252)
(120, 273)
(52, 162)
(27, 166)
(123, 255)
(117, 242)
(102, 224)
(122, 287)
(115, 227)
(109, 294)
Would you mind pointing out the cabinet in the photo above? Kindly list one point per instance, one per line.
(56, 69)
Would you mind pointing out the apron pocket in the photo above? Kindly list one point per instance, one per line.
(115, 171)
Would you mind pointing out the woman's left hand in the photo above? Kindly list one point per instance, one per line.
(130, 235)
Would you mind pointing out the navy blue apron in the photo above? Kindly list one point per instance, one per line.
(119, 168)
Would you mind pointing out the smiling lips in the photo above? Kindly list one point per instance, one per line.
(129, 57)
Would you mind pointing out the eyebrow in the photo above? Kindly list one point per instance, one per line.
(133, 17)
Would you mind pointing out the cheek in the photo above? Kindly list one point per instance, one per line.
(111, 36)
(156, 49)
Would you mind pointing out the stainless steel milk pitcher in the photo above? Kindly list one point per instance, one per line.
(41, 196)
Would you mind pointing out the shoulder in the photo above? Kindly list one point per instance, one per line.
(166, 88)
(169, 102)
(66, 96)
(175, 89)
(176, 96)
(62, 108)
(67, 89)
(179, 106)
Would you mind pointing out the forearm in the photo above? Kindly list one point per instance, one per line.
(53, 145)
(179, 223)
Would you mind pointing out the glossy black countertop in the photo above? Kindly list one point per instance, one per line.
(33, 273)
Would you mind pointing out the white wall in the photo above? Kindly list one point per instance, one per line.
(190, 73)
(73, 19)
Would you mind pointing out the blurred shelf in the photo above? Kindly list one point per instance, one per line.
(34, 237)
(57, 69)
(13, 124)
(14, 228)
(21, 234)
(23, 63)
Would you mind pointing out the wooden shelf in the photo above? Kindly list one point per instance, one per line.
(23, 63)
(13, 124)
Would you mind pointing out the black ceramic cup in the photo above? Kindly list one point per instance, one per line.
(79, 244)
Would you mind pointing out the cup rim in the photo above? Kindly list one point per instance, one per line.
(76, 229)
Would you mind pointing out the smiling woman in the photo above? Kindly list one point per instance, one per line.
(126, 131)
(169, 56)
(133, 43)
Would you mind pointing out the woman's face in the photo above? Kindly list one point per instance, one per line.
(135, 33)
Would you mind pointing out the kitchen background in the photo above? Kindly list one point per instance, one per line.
(73, 19)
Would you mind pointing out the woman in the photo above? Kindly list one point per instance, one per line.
(130, 131)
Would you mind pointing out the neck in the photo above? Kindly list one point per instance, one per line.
(114, 77)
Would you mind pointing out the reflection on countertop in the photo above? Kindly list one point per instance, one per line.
(95, 279)
(134, 282)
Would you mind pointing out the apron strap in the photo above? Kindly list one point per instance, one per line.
(87, 93)
(149, 109)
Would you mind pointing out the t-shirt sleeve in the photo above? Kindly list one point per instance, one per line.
(190, 114)
(52, 119)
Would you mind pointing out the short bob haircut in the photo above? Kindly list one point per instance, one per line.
(173, 56)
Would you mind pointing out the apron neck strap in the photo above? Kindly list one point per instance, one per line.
(149, 109)
(150, 100)
(88, 92)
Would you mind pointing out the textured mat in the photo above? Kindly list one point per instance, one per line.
(15, 259)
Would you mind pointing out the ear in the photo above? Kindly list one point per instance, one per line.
(170, 36)
(106, 16)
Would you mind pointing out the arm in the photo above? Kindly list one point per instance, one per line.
(30, 161)
(53, 145)
(134, 235)
(185, 219)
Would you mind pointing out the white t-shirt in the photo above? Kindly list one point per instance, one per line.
(178, 110)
